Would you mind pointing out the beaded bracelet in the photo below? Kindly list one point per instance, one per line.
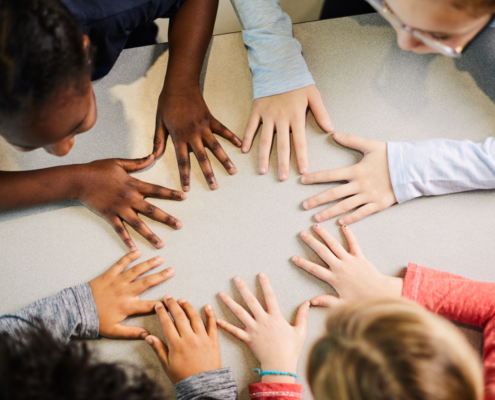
(259, 371)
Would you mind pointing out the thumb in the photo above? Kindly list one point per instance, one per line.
(355, 142)
(319, 111)
(302, 317)
(159, 139)
(326, 301)
(159, 347)
(126, 332)
(131, 165)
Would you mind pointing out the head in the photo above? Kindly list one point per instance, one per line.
(46, 95)
(453, 23)
(392, 350)
(33, 365)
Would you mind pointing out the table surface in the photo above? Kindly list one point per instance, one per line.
(251, 223)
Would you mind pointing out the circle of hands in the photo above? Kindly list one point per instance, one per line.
(191, 346)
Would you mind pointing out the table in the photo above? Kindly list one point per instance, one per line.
(251, 223)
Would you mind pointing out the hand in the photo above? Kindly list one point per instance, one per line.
(116, 295)
(350, 274)
(369, 183)
(274, 342)
(109, 191)
(188, 121)
(284, 113)
(190, 348)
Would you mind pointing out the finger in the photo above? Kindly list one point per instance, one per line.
(300, 146)
(131, 165)
(140, 227)
(323, 251)
(301, 322)
(250, 299)
(224, 132)
(211, 322)
(319, 111)
(159, 139)
(127, 332)
(330, 195)
(220, 154)
(265, 146)
(143, 284)
(332, 243)
(341, 207)
(269, 294)
(197, 324)
(326, 301)
(182, 155)
(331, 175)
(351, 239)
(135, 272)
(180, 318)
(159, 347)
(355, 142)
(159, 192)
(233, 330)
(124, 262)
(251, 129)
(157, 214)
(204, 163)
(168, 327)
(314, 269)
(123, 233)
(283, 148)
(360, 213)
(142, 307)
(241, 314)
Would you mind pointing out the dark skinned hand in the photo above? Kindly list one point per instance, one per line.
(109, 191)
(186, 118)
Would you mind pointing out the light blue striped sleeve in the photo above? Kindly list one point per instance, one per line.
(440, 166)
(275, 57)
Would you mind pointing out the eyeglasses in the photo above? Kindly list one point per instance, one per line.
(383, 9)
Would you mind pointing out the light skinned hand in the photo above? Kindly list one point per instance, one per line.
(116, 293)
(275, 343)
(285, 113)
(349, 273)
(190, 348)
(369, 186)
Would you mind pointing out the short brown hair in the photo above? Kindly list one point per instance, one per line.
(392, 350)
(475, 8)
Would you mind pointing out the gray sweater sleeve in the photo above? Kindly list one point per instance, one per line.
(70, 313)
(212, 385)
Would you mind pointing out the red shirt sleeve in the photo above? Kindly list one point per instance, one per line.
(275, 391)
(459, 299)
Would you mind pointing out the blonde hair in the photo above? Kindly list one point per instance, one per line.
(392, 350)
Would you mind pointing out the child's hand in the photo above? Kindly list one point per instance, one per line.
(368, 184)
(190, 348)
(350, 274)
(107, 189)
(186, 118)
(274, 342)
(116, 295)
(284, 113)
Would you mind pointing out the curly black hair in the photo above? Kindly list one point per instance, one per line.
(41, 52)
(34, 365)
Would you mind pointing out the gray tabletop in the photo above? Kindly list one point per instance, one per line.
(250, 224)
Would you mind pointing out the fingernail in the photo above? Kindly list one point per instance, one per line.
(303, 179)
(144, 334)
(294, 258)
(177, 224)
(208, 307)
(316, 226)
(262, 170)
(167, 297)
(318, 217)
(305, 205)
(303, 234)
(159, 244)
(149, 340)
(222, 295)
(341, 221)
(337, 135)
(170, 271)
(159, 305)
(182, 301)
(237, 279)
(133, 248)
(244, 149)
(136, 251)
(158, 259)
(282, 177)
(303, 170)
(262, 275)
(330, 127)
(315, 302)
(185, 187)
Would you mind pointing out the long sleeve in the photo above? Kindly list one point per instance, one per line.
(440, 166)
(461, 300)
(275, 391)
(274, 56)
(212, 385)
(70, 313)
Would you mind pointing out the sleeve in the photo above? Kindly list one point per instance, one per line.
(274, 56)
(461, 300)
(213, 385)
(440, 166)
(275, 391)
(71, 313)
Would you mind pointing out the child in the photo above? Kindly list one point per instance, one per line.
(35, 364)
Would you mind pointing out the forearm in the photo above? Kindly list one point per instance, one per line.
(32, 188)
(189, 37)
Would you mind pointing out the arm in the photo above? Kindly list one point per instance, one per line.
(104, 186)
(281, 391)
(218, 384)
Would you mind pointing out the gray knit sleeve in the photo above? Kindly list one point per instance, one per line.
(212, 385)
(70, 313)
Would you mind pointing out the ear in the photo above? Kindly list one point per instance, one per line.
(86, 43)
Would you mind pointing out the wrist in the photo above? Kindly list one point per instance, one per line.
(181, 87)
(393, 286)
(77, 182)
(290, 368)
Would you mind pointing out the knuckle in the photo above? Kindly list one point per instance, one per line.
(214, 145)
(151, 238)
(120, 230)
(183, 162)
(136, 223)
(150, 209)
(209, 176)
(156, 189)
(202, 157)
(168, 220)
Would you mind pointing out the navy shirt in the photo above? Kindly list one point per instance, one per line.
(109, 23)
